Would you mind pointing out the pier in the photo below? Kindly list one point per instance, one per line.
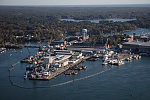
(2, 50)
(61, 70)
(124, 56)
(118, 59)
(13, 83)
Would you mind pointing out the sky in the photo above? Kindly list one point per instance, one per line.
(71, 2)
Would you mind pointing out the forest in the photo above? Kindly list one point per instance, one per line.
(19, 24)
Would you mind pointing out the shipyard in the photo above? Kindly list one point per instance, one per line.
(47, 66)
(65, 57)
(75, 49)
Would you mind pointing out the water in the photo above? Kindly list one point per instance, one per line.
(128, 82)
(99, 20)
(139, 31)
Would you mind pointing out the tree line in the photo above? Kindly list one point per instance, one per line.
(43, 23)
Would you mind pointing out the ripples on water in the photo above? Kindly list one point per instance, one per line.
(128, 82)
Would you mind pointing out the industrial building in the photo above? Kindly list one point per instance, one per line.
(137, 46)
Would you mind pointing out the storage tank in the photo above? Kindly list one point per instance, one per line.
(84, 32)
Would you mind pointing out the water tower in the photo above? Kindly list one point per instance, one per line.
(84, 34)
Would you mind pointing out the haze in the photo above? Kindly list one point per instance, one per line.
(71, 2)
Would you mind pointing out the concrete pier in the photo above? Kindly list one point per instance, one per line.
(61, 70)
(123, 56)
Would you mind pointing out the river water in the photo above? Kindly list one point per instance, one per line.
(139, 31)
(99, 20)
(128, 82)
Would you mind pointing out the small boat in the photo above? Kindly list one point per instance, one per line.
(74, 73)
(84, 67)
(104, 63)
(71, 73)
(68, 73)
(25, 76)
(113, 61)
(136, 57)
(105, 57)
(82, 61)
(78, 68)
(128, 59)
(120, 62)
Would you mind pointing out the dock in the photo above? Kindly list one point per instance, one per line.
(2, 50)
(119, 58)
(61, 70)
(123, 56)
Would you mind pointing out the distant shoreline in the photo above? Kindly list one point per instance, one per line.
(104, 5)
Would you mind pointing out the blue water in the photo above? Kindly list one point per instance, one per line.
(139, 31)
(99, 20)
(128, 82)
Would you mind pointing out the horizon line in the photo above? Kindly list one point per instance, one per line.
(72, 5)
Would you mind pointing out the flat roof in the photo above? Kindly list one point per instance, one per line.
(139, 43)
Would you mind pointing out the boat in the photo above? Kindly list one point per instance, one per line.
(68, 73)
(136, 57)
(93, 59)
(128, 59)
(84, 67)
(26, 74)
(74, 73)
(105, 57)
(104, 63)
(78, 68)
(120, 62)
(71, 73)
(113, 61)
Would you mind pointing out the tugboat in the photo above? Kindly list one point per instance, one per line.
(74, 73)
(80, 68)
(68, 73)
(71, 73)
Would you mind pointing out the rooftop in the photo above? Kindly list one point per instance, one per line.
(138, 43)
